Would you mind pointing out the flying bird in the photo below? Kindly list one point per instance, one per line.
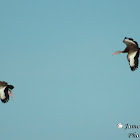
(132, 48)
(5, 91)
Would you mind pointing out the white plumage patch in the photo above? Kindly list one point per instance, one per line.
(2, 94)
(127, 41)
(131, 59)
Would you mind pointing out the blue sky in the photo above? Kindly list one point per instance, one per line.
(68, 85)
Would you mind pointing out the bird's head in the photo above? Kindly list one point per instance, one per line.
(117, 52)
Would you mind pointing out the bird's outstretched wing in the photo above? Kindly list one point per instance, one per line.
(3, 84)
(5, 97)
(130, 42)
(133, 60)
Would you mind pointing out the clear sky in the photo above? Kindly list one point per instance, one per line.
(68, 85)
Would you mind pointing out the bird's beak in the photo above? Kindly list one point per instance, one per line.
(11, 94)
(114, 53)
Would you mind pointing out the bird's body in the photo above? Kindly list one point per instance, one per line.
(133, 52)
(5, 90)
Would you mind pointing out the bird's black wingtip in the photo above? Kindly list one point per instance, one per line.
(133, 68)
(10, 86)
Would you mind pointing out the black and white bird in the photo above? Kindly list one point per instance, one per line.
(132, 48)
(5, 91)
